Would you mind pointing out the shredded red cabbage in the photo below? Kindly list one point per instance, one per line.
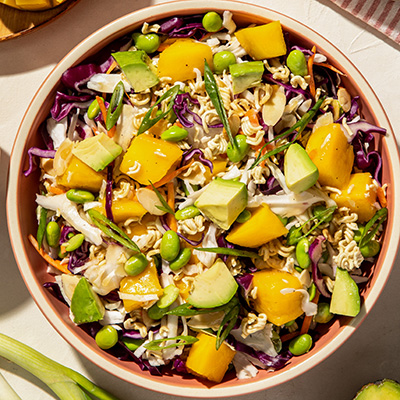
(184, 27)
(307, 52)
(315, 253)
(189, 154)
(223, 243)
(55, 290)
(64, 104)
(180, 366)
(35, 151)
(365, 127)
(245, 282)
(289, 89)
(65, 231)
(78, 257)
(173, 23)
(182, 106)
(349, 115)
(190, 241)
(108, 203)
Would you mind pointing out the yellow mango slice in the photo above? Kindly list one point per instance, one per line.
(207, 362)
(330, 151)
(263, 41)
(149, 159)
(262, 227)
(178, 60)
(123, 209)
(145, 283)
(218, 166)
(359, 195)
(78, 175)
(32, 5)
(279, 308)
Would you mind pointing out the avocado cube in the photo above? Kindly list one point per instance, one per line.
(137, 68)
(245, 75)
(223, 201)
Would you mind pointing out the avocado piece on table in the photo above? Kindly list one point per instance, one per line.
(245, 75)
(386, 389)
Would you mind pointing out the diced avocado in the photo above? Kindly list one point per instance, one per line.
(223, 201)
(245, 75)
(300, 172)
(214, 287)
(97, 151)
(386, 389)
(86, 305)
(345, 295)
(137, 68)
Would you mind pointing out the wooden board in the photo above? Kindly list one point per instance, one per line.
(14, 23)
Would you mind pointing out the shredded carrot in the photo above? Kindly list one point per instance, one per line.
(103, 110)
(307, 319)
(252, 116)
(55, 263)
(310, 72)
(289, 336)
(331, 67)
(171, 176)
(111, 67)
(171, 202)
(205, 37)
(163, 46)
(178, 123)
(56, 190)
(381, 196)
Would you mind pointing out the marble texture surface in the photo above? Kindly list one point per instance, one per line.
(372, 353)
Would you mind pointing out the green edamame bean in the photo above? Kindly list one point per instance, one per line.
(94, 109)
(371, 249)
(312, 291)
(79, 196)
(106, 337)
(293, 236)
(223, 60)
(323, 314)
(136, 264)
(53, 233)
(296, 62)
(302, 256)
(171, 293)
(132, 344)
(244, 216)
(318, 210)
(170, 246)
(148, 42)
(236, 155)
(212, 22)
(301, 344)
(187, 212)
(174, 134)
(75, 242)
(181, 260)
(155, 312)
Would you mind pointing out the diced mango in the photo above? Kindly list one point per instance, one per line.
(218, 166)
(180, 58)
(145, 283)
(280, 308)
(78, 175)
(123, 209)
(149, 159)
(330, 151)
(262, 227)
(206, 361)
(359, 195)
(184, 288)
(263, 41)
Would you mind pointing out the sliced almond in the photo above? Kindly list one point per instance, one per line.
(273, 109)
(149, 200)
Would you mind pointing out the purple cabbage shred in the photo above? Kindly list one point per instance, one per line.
(180, 366)
(190, 241)
(189, 154)
(108, 203)
(78, 257)
(182, 106)
(55, 290)
(64, 104)
(245, 282)
(289, 89)
(35, 151)
(315, 253)
(223, 243)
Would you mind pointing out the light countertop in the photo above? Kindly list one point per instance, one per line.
(371, 353)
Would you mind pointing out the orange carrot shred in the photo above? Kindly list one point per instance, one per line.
(56, 190)
(171, 176)
(252, 116)
(111, 67)
(178, 123)
(307, 319)
(103, 110)
(171, 202)
(381, 196)
(311, 73)
(55, 263)
(331, 67)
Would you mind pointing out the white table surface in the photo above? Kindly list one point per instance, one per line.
(372, 352)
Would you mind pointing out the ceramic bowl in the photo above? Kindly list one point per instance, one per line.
(22, 221)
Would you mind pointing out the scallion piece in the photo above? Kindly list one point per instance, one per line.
(378, 219)
(156, 345)
(42, 226)
(229, 252)
(115, 108)
(165, 206)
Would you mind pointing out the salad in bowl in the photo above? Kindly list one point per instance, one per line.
(210, 199)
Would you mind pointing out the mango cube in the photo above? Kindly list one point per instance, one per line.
(262, 227)
(206, 361)
(263, 41)
(145, 283)
(123, 209)
(359, 195)
(179, 59)
(280, 308)
(149, 159)
(330, 151)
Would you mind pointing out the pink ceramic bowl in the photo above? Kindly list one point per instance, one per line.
(21, 205)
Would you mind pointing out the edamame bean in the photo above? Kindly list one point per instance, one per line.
(155, 312)
(136, 264)
(182, 259)
(106, 337)
(187, 212)
(75, 242)
(323, 314)
(171, 292)
(318, 210)
(53, 233)
(174, 134)
(302, 256)
(148, 43)
(170, 246)
(301, 344)
(94, 109)
(236, 155)
(244, 216)
(222, 60)
(371, 249)
(296, 62)
(79, 196)
(212, 22)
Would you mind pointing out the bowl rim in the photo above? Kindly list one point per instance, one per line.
(17, 241)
